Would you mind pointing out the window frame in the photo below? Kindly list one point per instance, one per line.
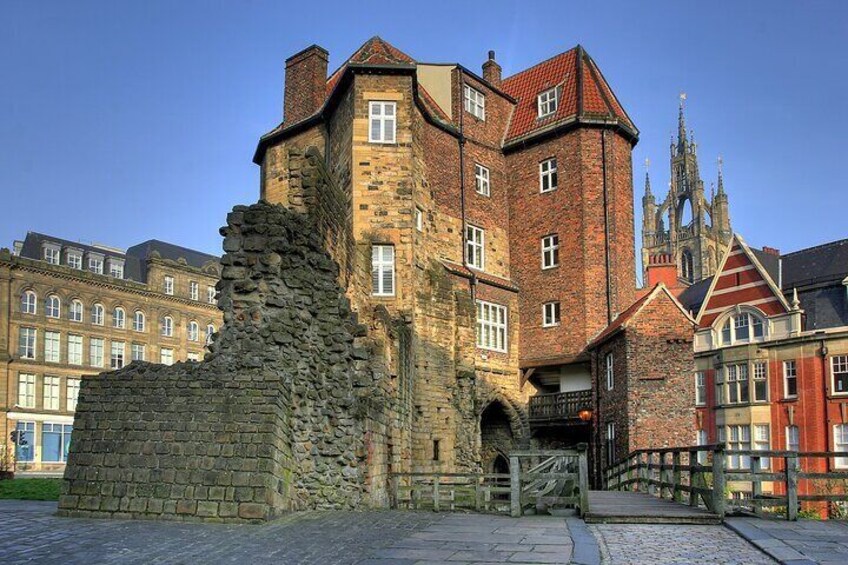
(75, 354)
(96, 264)
(26, 390)
(119, 318)
(549, 174)
(555, 314)
(759, 379)
(63, 431)
(27, 346)
(98, 314)
(728, 329)
(482, 180)
(193, 290)
(77, 259)
(51, 309)
(96, 345)
(497, 324)
(475, 249)
(843, 365)
(840, 462)
(474, 102)
(609, 369)
(75, 311)
(700, 388)
(117, 357)
(193, 331)
(139, 321)
(167, 327)
(550, 251)
(168, 285)
(170, 355)
(383, 118)
(116, 268)
(380, 267)
(52, 254)
(135, 348)
(209, 334)
(29, 302)
(786, 377)
(547, 102)
(52, 347)
(53, 400)
(210, 294)
(789, 433)
(72, 398)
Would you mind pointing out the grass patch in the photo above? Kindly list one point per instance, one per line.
(31, 489)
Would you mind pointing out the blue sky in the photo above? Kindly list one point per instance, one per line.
(124, 121)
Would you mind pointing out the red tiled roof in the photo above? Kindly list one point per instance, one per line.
(583, 93)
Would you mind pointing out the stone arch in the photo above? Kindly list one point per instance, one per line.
(687, 265)
(502, 430)
(685, 211)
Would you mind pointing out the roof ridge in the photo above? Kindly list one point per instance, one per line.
(819, 246)
(549, 59)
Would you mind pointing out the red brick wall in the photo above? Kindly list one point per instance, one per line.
(306, 76)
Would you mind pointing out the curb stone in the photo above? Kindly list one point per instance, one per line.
(768, 544)
(585, 549)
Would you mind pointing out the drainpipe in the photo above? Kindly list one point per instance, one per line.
(461, 143)
(606, 225)
(827, 430)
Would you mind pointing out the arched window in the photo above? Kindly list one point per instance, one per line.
(97, 314)
(210, 331)
(742, 327)
(138, 321)
(686, 266)
(29, 302)
(167, 326)
(53, 306)
(119, 318)
(75, 312)
(193, 331)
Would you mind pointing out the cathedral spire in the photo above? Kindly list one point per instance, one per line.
(720, 176)
(681, 123)
(647, 179)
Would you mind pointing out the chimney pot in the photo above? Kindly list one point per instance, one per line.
(492, 70)
(771, 251)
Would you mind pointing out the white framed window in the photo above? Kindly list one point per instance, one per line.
(193, 356)
(610, 443)
(610, 370)
(166, 356)
(75, 311)
(95, 264)
(29, 302)
(548, 175)
(703, 439)
(74, 349)
(762, 443)
(210, 295)
(51, 393)
(26, 390)
(194, 290)
(116, 268)
(55, 441)
(550, 251)
(382, 120)
(26, 343)
(72, 387)
(95, 352)
(700, 389)
(475, 102)
(119, 318)
(793, 438)
(138, 321)
(840, 443)
(53, 306)
(839, 374)
(475, 247)
(137, 352)
(550, 314)
(419, 219)
(74, 260)
(52, 254)
(760, 384)
(52, 353)
(169, 284)
(116, 360)
(739, 438)
(210, 331)
(790, 379)
(193, 331)
(168, 326)
(481, 180)
(738, 389)
(383, 270)
(742, 328)
(548, 102)
(97, 314)
(492, 326)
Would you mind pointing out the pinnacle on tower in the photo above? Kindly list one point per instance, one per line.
(720, 177)
(647, 178)
(681, 123)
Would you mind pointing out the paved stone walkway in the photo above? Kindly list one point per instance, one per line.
(805, 542)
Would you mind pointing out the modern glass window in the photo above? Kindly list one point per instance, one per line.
(72, 387)
(116, 360)
(97, 314)
(138, 321)
(29, 302)
(137, 352)
(548, 175)
(210, 331)
(840, 443)
(383, 270)
(95, 264)
(95, 352)
(26, 343)
(75, 311)
(116, 268)
(166, 356)
(839, 374)
(119, 318)
(210, 294)
(761, 442)
(52, 353)
(168, 326)
(75, 260)
(610, 370)
(793, 438)
(26, 390)
(550, 251)
(53, 306)
(193, 331)
(475, 247)
(742, 328)
(550, 314)
(382, 120)
(51, 393)
(738, 388)
(74, 349)
(700, 389)
(739, 438)
(55, 442)
(52, 254)
(475, 102)
(194, 290)
(491, 326)
(169, 285)
(25, 446)
(548, 102)
(790, 379)
(419, 219)
(481, 180)
(760, 378)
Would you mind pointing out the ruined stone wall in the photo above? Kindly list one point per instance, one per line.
(275, 418)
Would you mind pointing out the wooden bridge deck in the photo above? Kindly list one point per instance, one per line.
(623, 507)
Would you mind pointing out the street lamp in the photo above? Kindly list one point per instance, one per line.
(585, 414)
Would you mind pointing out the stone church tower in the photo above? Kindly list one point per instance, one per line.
(685, 224)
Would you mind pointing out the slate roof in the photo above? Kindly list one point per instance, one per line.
(693, 296)
(815, 265)
(770, 262)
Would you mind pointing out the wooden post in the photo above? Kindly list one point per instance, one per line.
(641, 483)
(651, 486)
(436, 493)
(583, 477)
(792, 468)
(675, 476)
(693, 482)
(515, 487)
(756, 485)
(718, 481)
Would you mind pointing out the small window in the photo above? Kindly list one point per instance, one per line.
(610, 443)
(790, 379)
(548, 102)
(166, 356)
(383, 270)
(169, 285)
(436, 450)
(95, 264)
(116, 268)
(610, 372)
(481, 180)
(117, 355)
(138, 321)
(26, 343)
(475, 103)
(97, 314)
(475, 247)
(26, 390)
(193, 290)
(193, 331)
(95, 352)
(383, 120)
(793, 438)
(210, 295)
(700, 389)
(761, 443)
(210, 331)
(52, 353)
(51, 393)
(74, 349)
(75, 312)
(419, 219)
(840, 443)
(839, 373)
(75, 260)
(137, 352)
(550, 251)
(550, 314)
(119, 318)
(760, 382)
(29, 302)
(193, 356)
(548, 175)
(53, 306)
(51, 254)
(491, 326)
(168, 326)
(72, 388)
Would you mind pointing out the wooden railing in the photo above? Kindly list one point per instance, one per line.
(559, 405)
(699, 476)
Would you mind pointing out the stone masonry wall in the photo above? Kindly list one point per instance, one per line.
(273, 420)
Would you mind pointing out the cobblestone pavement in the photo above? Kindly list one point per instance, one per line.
(638, 544)
(801, 542)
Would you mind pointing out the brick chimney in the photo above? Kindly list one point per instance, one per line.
(771, 251)
(492, 71)
(306, 80)
(661, 268)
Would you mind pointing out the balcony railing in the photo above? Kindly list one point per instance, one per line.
(559, 406)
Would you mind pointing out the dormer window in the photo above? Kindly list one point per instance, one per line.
(548, 102)
(74, 259)
(475, 102)
(116, 268)
(743, 327)
(52, 252)
(95, 263)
